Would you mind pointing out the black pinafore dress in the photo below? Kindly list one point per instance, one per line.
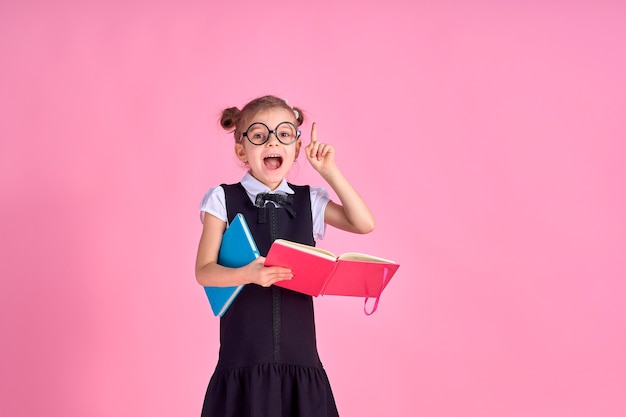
(268, 362)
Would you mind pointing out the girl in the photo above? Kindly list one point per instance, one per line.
(268, 363)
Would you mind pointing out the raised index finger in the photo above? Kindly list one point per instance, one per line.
(313, 132)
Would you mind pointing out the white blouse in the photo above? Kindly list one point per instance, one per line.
(214, 201)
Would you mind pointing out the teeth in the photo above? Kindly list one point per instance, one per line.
(272, 156)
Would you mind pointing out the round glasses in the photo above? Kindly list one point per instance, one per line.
(258, 133)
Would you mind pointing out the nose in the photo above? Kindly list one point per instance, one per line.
(273, 141)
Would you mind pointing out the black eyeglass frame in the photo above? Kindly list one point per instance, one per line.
(269, 133)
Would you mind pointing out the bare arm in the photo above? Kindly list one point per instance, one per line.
(210, 274)
(352, 214)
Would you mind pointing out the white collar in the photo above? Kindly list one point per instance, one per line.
(254, 187)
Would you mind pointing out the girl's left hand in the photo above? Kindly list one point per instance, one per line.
(320, 155)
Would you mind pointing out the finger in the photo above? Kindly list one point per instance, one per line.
(281, 278)
(313, 133)
(313, 149)
(278, 270)
(328, 149)
(276, 277)
(322, 151)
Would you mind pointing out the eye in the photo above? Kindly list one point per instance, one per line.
(286, 132)
(257, 133)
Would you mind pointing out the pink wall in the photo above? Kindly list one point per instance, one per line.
(489, 140)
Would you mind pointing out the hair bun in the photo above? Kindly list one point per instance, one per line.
(229, 118)
(299, 115)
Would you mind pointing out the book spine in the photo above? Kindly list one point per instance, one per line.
(249, 237)
(229, 301)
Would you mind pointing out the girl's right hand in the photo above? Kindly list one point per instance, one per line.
(267, 275)
(320, 155)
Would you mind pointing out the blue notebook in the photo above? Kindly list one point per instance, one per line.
(238, 249)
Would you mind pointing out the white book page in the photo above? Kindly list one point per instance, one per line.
(355, 256)
(322, 253)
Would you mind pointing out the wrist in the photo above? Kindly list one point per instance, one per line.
(328, 173)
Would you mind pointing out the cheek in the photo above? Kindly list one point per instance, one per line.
(292, 154)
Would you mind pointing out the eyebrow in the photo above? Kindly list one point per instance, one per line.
(279, 123)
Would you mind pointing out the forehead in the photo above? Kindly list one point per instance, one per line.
(273, 116)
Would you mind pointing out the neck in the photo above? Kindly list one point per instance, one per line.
(271, 185)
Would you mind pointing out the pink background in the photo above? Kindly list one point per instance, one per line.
(488, 138)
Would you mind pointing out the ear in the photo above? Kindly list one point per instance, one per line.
(240, 151)
(298, 145)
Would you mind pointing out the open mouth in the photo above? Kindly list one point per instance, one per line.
(273, 161)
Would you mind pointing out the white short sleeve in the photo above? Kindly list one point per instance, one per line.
(214, 202)
(319, 200)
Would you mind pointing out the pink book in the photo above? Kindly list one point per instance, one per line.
(317, 271)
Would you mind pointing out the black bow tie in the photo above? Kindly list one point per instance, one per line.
(283, 200)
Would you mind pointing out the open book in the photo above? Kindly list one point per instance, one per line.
(238, 249)
(317, 271)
